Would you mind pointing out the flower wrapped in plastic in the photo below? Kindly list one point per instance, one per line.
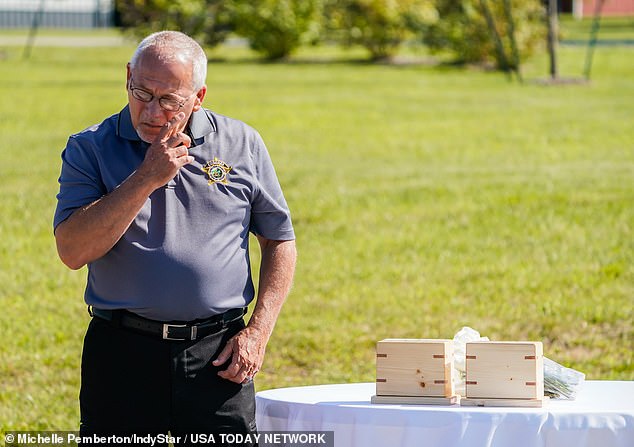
(559, 382)
(459, 372)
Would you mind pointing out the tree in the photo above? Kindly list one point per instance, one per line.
(276, 27)
(207, 21)
(381, 26)
(483, 31)
(506, 62)
(553, 31)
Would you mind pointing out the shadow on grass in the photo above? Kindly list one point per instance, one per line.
(559, 81)
(395, 62)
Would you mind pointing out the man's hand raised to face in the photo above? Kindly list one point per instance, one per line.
(92, 230)
(168, 153)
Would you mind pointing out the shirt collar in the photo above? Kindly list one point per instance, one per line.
(200, 125)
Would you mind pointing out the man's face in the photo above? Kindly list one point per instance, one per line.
(169, 82)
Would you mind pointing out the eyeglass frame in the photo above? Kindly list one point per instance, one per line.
(160, 99)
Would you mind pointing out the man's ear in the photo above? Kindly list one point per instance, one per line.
(200, 96)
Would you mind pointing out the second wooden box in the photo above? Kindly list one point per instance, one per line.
(505, 371)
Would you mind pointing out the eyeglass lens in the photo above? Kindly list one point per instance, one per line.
(168, 104)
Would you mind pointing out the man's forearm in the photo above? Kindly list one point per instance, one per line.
(276, 277)
(91, 231)
(246, 349)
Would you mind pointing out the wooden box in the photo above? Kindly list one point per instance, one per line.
(414, 367)
(504, 370)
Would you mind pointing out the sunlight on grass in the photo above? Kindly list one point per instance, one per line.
(425, 198)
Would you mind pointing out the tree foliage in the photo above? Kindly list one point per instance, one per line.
(276, 27)
(479, 31)
(461, 28)
(381, 26)
(207, 21)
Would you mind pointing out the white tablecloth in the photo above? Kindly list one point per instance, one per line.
(601, 416)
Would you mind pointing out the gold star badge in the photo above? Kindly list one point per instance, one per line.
(217, 171)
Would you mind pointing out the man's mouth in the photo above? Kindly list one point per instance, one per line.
(152, 126)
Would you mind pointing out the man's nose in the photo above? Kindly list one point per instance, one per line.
(153, 108)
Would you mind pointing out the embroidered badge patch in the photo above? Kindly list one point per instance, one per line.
(217, 171)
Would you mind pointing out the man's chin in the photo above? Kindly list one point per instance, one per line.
(146, 136)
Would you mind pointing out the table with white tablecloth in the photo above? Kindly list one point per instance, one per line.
(602, 415)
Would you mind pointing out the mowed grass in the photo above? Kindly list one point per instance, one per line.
(610, 29)
(424, 199)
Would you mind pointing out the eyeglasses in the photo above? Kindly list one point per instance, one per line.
(167, 103)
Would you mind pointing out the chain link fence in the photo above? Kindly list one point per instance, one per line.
(57, 13)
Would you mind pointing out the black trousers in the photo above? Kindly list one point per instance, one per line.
(132, 383)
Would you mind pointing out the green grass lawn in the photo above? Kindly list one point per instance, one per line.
(610, 28)
(424, 199)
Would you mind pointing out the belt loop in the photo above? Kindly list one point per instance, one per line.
(229, 318)
(89, 309)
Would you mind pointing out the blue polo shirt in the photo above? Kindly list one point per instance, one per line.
(185, 256)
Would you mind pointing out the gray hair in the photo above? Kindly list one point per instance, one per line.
(179, 47)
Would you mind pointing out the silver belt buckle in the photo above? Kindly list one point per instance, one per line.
(166, 327)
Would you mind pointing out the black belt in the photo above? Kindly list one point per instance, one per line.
(169, 331)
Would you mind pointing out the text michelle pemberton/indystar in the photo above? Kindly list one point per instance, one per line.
(149, 440)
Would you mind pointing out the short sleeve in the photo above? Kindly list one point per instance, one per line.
(79, 182)
(270, 216)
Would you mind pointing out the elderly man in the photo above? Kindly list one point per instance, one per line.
(159, 200)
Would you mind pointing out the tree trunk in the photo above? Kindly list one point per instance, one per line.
(511, 31)
(497, 40)
(594, 32)
(553, 31)
(37, 18)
